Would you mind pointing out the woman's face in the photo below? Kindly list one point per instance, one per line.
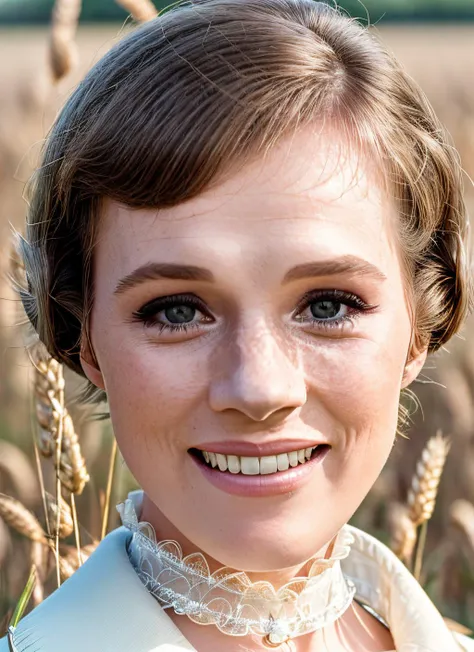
(293, 332)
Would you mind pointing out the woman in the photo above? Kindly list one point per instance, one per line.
(247, 233)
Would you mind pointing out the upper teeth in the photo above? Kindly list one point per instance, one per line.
(258, 465)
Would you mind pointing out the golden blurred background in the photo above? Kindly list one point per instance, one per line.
(440, 56)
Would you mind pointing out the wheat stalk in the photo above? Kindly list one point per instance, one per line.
(140, 10)
(57, 436)
(110, 478)
(76, 528)
(19, 281)
(37, 558)
(51, 413)
(424, 487)
(424, 490)
(18, 517)
(59, 410)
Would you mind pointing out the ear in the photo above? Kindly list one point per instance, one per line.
(414, 365)
(90, 365)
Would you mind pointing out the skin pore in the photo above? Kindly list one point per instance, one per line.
(256, 362)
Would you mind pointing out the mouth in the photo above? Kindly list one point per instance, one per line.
(264, 465)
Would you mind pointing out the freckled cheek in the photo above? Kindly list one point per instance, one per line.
(152, 390)
(358, 383)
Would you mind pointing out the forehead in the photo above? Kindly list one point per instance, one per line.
(307, 196)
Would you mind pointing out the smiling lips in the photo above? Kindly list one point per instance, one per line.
(239, 468)
(265, 465)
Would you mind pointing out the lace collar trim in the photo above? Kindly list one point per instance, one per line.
(228, 598)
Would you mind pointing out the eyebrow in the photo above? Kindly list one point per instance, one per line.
(178, 272)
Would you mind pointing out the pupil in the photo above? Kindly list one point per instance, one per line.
(325, 309)
(180, 314)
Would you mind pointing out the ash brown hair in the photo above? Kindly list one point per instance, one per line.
(212, 83)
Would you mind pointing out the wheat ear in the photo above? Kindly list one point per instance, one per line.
(66, 524)
(18, 279)
(58, 438)
(424, 489)
(71, 557)
(18, 517)
(402, 532)
(50, 412)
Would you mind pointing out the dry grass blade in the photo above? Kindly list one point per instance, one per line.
(66, 524)
(51, 414)
(63, 51)
(454, 626)
(402, 532)
(112, 463)
(424, 488)
(21, 519)
(59, 409)
(140, 10)
(24, 599)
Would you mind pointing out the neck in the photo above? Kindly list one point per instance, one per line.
(354, 631)
(166, 530)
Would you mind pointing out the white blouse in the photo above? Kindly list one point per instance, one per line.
(104, 607)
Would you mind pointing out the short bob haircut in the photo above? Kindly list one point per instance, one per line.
(211, 84)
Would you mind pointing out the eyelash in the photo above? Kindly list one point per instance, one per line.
(147, 313)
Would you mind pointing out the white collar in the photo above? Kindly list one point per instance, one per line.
(105, 607)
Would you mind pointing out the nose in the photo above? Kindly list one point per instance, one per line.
(257, 373)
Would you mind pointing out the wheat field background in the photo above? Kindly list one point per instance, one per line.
(441, 59)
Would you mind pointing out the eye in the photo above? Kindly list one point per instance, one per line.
(331, 308)
(179, 313)
(325, 309)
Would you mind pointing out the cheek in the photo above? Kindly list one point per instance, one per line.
(355, 387)
(356, 380)
(360, 378)
(153, 393)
